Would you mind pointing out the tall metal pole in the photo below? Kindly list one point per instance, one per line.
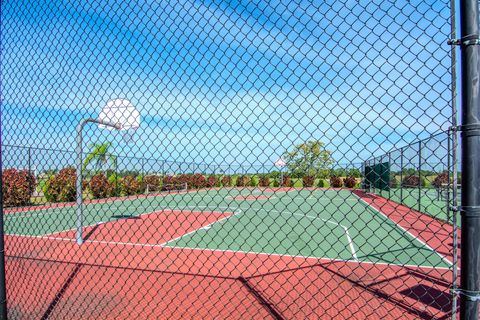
(470, 130)
(3, 286)
(401, 176)
(3, 291)
(420, 176)
(30, 186)
(78, 150)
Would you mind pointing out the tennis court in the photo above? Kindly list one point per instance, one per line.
(320, 224)
(245, 246)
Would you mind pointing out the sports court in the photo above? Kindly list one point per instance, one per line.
(251, 249)
(316, 224)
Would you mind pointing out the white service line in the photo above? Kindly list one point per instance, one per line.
(245, 252)
(405, 230)
(350, 243)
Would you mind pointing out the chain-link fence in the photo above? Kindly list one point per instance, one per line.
(419, 176)
(212, 159)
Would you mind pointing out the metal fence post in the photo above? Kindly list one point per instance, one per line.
(401, 176)
(470, 130)
(420, 176)
(389, 175)
(29, 165)
(3, 290)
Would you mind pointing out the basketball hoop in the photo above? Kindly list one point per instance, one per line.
(280, 163)
(123, 113)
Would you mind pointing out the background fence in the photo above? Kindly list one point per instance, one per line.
(420, 175)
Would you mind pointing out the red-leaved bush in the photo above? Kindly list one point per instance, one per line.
(286, 181)
(197, 181)
(411, 181)
(100, 186)
(350, 182)
(152, 183)
(182, 178)
(243, 181)
(130, 185)
(18, 187)
(212, 181)
(226, 181)
(336, 182)
(169, 180)
(62, 186)
(264, 181)
(308, 181)
(442, 178)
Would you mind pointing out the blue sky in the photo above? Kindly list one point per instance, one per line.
(226, 82)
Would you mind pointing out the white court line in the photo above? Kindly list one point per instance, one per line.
(405, 230)
(350, 243)
(132, 244)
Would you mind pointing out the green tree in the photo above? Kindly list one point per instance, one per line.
(309, 158)
(99, 155)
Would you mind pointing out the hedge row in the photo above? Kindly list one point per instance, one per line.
(61, 187)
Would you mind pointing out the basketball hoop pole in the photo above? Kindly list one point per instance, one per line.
(79, 170)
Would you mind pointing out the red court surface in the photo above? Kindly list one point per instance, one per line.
(153, 228)
(117, 274)
(341, 290)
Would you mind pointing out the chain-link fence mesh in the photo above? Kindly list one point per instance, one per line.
(283, 160)
(419, 176)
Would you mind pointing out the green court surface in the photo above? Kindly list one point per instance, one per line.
(309, 223)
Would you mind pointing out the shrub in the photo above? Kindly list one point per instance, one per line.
(62, 186)
(394, 183)
(130, 185)
(286, 181)
(264, 181)
(308, 181)
(336, 182)
(18, 187)
(322, 183)
(297, 183)
(226, 181)
(411, 182)
(182, 179)
(254, 181)
(276, 183)
(100, 186)
(350, 182)
(426, 183)
(152, 183)
(243, 181)
(114, 180)
(197, 181)
(169, 180)
(212, 181)
(442, 178)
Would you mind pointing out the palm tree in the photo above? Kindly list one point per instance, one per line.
(99, 155)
